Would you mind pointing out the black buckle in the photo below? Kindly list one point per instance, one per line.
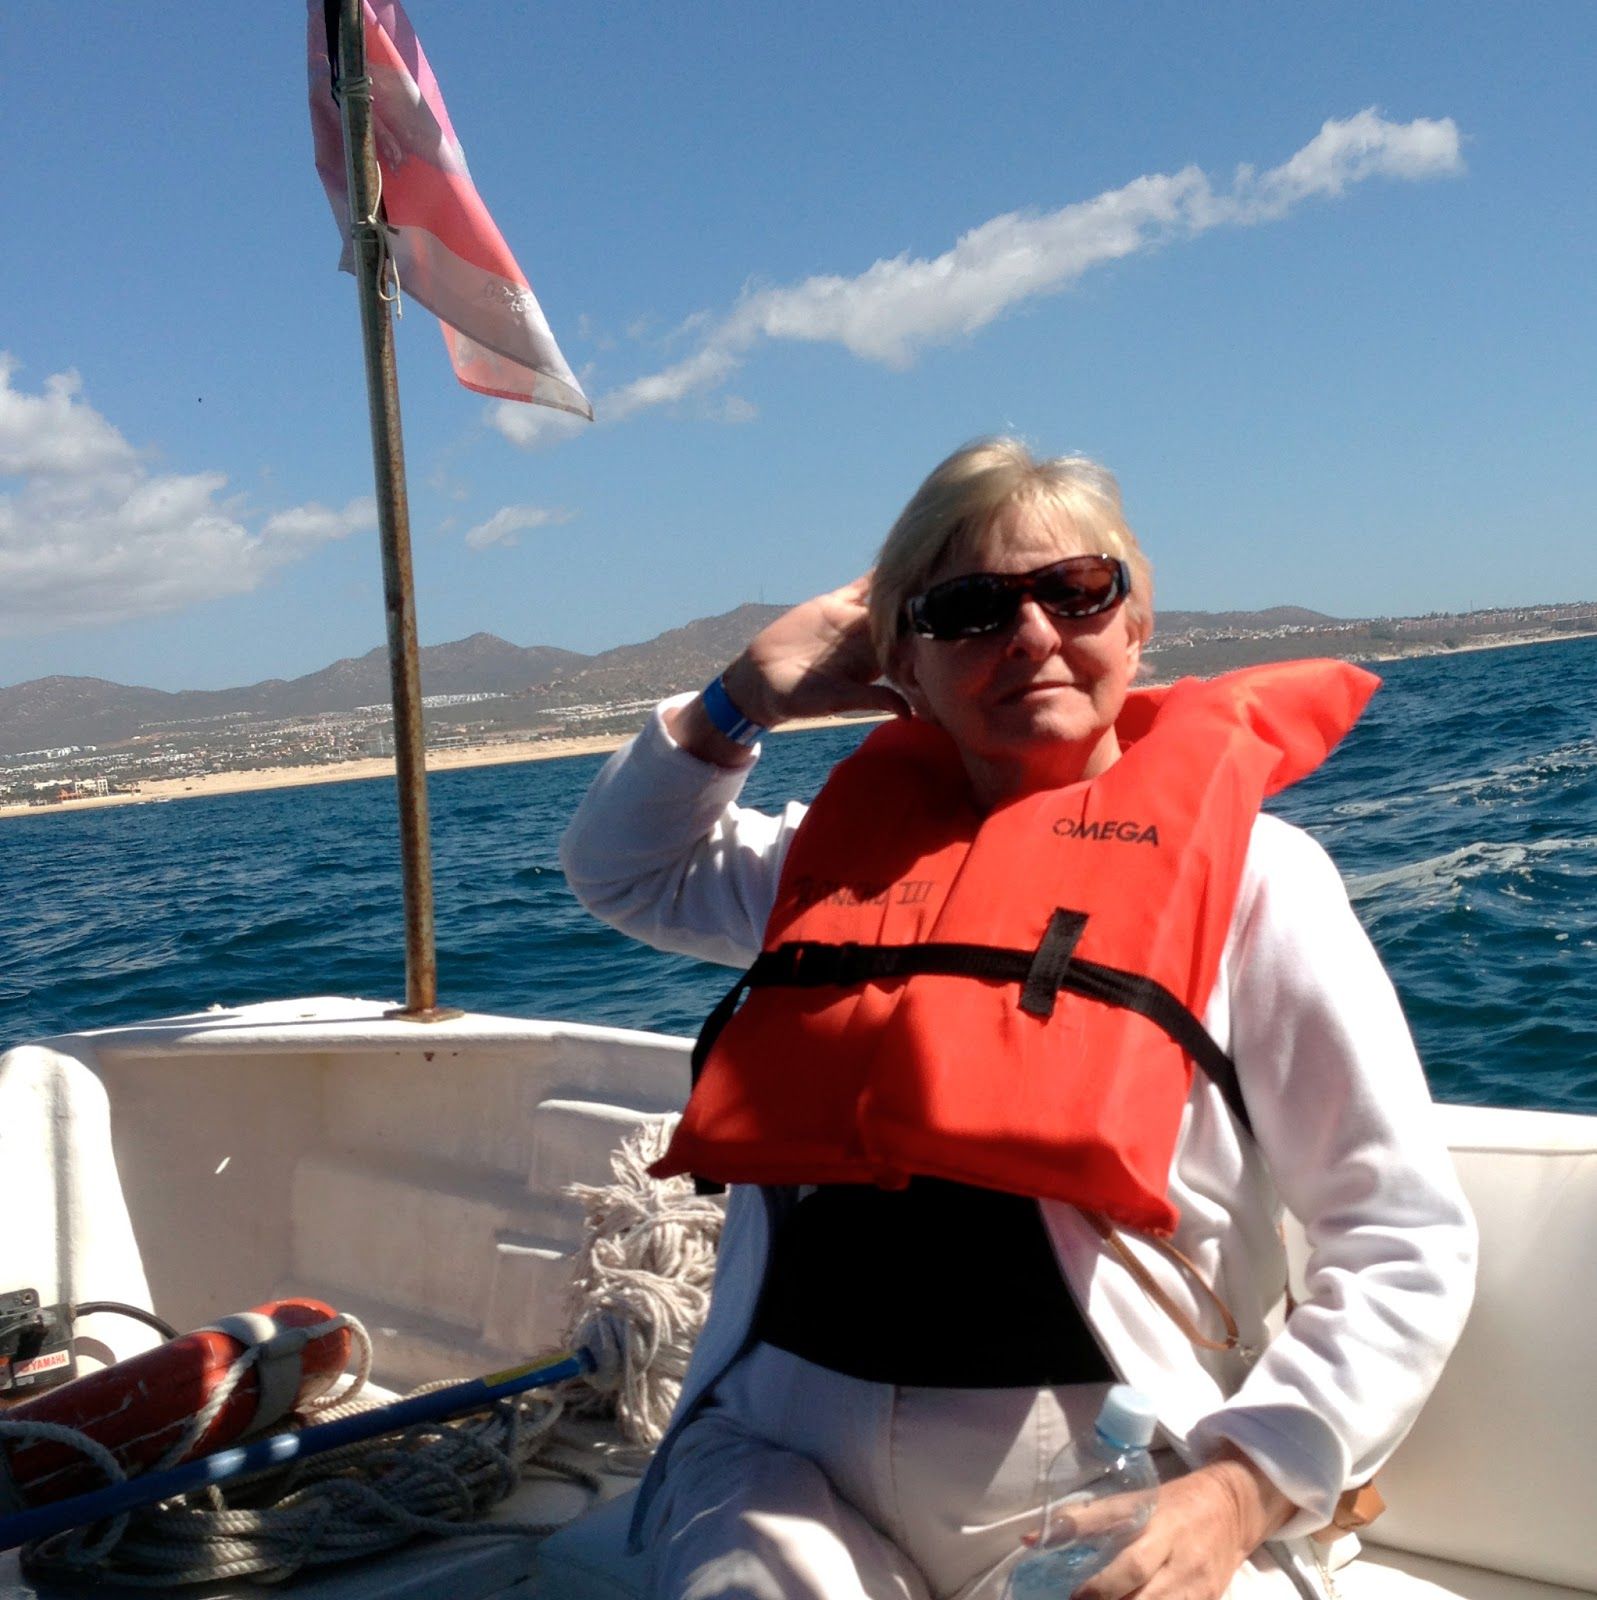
(1049, 965)
(806, 965)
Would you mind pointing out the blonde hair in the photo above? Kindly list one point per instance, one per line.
(950, 517)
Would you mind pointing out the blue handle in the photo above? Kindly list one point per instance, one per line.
(273, 1451)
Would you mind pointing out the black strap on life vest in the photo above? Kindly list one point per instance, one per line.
(1042, 973)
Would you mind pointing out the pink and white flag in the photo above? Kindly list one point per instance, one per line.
(448, 252)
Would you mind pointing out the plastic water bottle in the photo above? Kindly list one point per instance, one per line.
(1100, 1494)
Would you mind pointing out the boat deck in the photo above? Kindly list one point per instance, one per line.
(417, 1177)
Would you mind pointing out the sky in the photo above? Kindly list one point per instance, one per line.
(1315, 282)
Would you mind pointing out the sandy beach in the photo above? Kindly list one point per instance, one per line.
(154, 790)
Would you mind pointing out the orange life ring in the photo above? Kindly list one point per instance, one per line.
(139, 1408)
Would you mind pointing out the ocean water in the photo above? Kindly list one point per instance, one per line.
(1462, 812)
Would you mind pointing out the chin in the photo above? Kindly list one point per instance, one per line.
(1062, 736)
(1049, 723)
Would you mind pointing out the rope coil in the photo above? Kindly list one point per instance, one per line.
(642, 1286)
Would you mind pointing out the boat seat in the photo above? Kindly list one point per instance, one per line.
(1491, 1495)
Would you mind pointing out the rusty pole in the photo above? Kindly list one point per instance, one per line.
(393, 517)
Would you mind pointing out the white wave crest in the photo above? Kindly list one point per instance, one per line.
(1527, 772)
(1436, 876)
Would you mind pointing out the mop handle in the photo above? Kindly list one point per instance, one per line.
(277, 1448)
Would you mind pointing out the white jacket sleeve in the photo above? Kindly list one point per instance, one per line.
(1344, 1121)
(660, 850)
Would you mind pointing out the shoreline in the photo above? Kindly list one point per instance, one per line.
(1504, 642)
(256, 780)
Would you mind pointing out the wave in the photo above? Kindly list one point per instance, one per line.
(1528, 772)
(1453, 868)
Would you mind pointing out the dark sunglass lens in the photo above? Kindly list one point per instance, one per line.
(966, 606)
(1078, 588)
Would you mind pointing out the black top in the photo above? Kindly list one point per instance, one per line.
(939, 1284)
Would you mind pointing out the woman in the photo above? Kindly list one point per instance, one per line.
(957, 1181)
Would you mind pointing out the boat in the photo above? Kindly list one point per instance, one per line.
(415, 1167)
(214, 1158)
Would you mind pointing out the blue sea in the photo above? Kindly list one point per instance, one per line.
(1462, 812)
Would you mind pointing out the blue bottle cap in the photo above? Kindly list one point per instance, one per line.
(1127, 1417)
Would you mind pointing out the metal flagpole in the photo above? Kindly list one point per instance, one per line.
(393, 514)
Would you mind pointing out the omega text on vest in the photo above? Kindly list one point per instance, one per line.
(1108, 831)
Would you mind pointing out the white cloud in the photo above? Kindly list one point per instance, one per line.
(314, 524)
(701, 371)
(88, 534)
(54, 435)
(533, 427)
(901, 306)
(503, 526)
(1343, 153)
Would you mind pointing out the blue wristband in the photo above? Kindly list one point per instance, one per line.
(725, 717)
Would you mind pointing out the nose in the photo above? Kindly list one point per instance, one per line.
(1035, 634)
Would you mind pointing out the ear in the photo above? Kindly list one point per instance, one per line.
(902, 675)
(1133, 657)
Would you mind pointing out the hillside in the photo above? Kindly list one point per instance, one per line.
(539, 685)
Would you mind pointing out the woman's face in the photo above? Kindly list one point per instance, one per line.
(1033, 705)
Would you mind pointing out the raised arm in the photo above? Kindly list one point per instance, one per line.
(659, 847)
(813, 661)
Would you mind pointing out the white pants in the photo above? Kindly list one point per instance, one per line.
(796, 1483)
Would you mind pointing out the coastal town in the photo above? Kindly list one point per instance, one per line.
(591, 703)
(186, 754)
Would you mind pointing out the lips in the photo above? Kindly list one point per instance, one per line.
(1026, 691)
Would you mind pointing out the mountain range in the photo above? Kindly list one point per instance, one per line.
(58, 711)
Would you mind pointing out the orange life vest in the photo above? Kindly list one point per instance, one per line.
(1008, 1000)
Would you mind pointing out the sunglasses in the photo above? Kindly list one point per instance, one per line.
(985, 602)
